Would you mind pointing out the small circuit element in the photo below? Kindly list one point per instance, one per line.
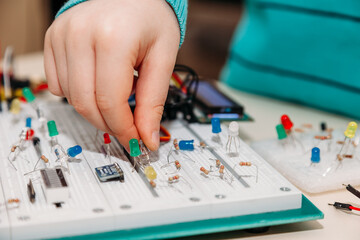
(344, 206)
(233, 137)
(352, 190)
(186, 145)
(106, 146)
(150, 173)
(349, 134)
(280, 130)
(110, 173)
(248, 164)
(216, 130)
(54, 185)
(31, 191)
(315, 156)
(286, 122)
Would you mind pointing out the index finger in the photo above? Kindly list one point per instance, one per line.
(114, 82)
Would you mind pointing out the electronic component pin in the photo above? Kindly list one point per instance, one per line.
(233, 137)
(55, 187)
(110, 172)
(31, 191)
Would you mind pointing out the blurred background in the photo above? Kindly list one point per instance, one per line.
(211, 23)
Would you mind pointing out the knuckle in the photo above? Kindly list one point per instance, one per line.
(81, 107)
(104, 102)
(54, 89)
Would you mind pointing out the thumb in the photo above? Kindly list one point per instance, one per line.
(151, 92)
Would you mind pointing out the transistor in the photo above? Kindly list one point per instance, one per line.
(110, 172)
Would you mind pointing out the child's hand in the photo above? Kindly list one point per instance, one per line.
(91, 52)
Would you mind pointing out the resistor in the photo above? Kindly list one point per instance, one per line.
(348, 156)
(44, 159)
(245, 164)
(221, 170)
(339, 157)
(13, 148)
(152, 183)
(173, 179)
(340, 142)
(202, 144)
(218, 163)
(299, 130)
(176, 144)
(307, 125)
(322, 137)
(13, 200)
(204, 170)
(177, 164)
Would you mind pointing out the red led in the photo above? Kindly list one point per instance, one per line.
(286, 122)
(107, 139)
(29, 134)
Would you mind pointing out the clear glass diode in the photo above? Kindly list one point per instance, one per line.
(68, 156)
(233, 142)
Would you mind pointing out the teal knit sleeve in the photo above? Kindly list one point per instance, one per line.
(180, 8)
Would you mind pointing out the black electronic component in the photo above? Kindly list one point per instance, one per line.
(211, 100)
(352, 190)
(55, 187)
(323, 126)
(31, 191)
(110, 172)
(342, 206)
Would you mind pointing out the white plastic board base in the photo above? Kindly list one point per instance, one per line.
(294, 163)
(96, 206)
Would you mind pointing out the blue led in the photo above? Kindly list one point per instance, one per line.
(215, 123)
(315, 155)
(186, 145)
(73, 151)
(28, 122)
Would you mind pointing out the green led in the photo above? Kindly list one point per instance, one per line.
(281, 131)
(28, 95)
(134, 147)
(52, 129)
(350, 130)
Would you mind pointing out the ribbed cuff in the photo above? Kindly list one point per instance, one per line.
(180, 8)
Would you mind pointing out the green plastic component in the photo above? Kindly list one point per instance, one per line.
(52, 128)
(28, 95)
(307, 212)
(281, 131)
(134, 148)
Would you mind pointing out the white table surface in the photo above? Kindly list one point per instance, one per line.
(267, 112)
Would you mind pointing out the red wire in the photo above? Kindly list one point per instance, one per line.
(179, 81)
(354, 208)
(167, 136)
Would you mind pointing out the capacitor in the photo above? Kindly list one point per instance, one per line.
(286, 122)
(134, 148)
(150, 173)
(187, 145)
(315, 155)
(350, 130)
(74, 151)
(323, 126)
(107, 139)
(52, 128)
(215, 124)
(28, 95)
(281, 131)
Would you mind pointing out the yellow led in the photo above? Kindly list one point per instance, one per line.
(350, 130)
(15, 106)
(150, 173)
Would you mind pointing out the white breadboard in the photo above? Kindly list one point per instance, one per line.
(96, 206)
(294, 163)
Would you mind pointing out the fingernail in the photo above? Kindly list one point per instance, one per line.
(156, 139)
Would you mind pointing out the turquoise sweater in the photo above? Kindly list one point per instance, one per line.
(305, 51)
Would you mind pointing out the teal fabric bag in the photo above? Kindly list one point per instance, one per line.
(302, 51)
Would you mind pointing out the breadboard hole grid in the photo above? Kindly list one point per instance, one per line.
(95, 207)
(294, 163)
